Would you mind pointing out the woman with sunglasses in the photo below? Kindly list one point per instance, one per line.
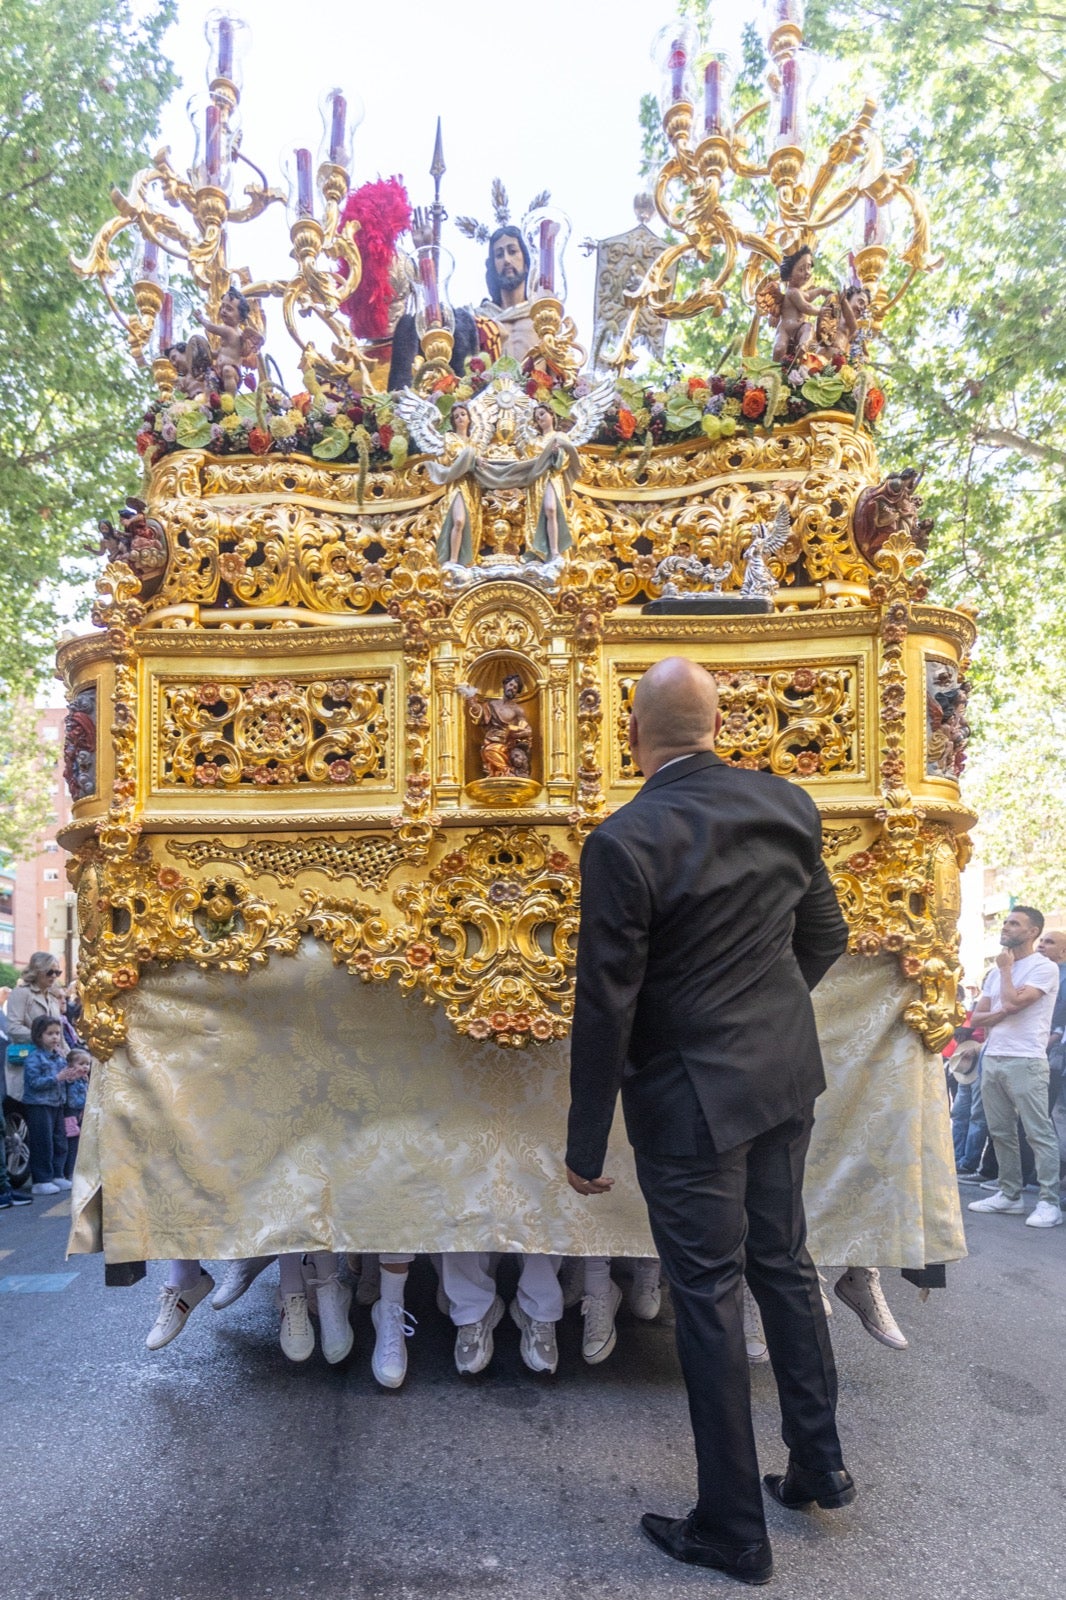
(35, 995)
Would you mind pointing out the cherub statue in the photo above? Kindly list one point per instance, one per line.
(507, 743)
(796, 306)
(767, 538)
(238, 344)
(837, 326)
(192, 361)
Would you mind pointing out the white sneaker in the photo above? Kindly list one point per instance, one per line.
(334, 1301)
(645, 1297)
(860, 1289)
(998, 1202)
(572, 1280)
(1044, 1215)
(394, 1327)
(44, 1188)
(296, 1336)
(174, 1308)
(754, 1337)
(238, 1277)
(62, 1183)
(539, 1349)
(599, 1311)
(473, 1341)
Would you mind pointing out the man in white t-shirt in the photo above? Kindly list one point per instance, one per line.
(1015, 1008)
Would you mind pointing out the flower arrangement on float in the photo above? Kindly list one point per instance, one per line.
(350, 427)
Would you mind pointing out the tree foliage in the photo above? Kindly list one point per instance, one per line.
(81, 86)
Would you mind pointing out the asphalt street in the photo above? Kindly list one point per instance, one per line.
(215, 1470)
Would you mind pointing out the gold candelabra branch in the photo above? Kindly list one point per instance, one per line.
(689, 189)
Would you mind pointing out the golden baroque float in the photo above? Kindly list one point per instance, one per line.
(363, 655)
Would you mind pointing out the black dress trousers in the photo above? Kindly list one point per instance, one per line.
(716, 1218)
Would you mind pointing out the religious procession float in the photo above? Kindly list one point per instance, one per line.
(363, 652)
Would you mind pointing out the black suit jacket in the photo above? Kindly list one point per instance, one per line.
(707, 916)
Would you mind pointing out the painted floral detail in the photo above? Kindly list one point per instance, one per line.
(208, 773)
(340, 771)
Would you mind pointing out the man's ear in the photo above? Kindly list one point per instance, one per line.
(717, 722)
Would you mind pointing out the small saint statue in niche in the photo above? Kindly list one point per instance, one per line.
(507, 742)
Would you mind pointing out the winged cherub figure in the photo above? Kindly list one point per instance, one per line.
(796, 306)
(238, 344)
(460, 533)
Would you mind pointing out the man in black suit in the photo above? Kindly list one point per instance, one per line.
(707, 916)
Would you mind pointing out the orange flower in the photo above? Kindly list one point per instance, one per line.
(259, 441)
(302, 401)
(419, 955)
(626, 423)
(754, 403)
(875, 404)
(445, 383)
(124, 977)
(695, 385)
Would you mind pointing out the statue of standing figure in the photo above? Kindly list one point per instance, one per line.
(238, 343)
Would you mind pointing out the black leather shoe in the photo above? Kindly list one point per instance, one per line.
(752, 1563)
(799, 1489)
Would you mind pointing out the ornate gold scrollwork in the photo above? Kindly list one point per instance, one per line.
(797, 722)
(274, 731)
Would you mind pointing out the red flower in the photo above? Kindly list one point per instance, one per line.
(477, 365)
(695, 385)
(355, 414)
(875, 404)
(718, 386)
(214, 400)
(838, 362)
(754, 403)
(145, 440)
(259, 441)
(626, 423)
(385, 436)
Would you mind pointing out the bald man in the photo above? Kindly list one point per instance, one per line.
(707, 916)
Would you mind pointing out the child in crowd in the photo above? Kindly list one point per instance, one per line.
(79, 1061)
(44, 1094)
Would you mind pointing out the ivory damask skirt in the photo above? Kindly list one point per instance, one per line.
(299, 1108)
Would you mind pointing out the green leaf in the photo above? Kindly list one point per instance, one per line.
(823, 391)
(333, 443)
(194, 430)
(682, 413)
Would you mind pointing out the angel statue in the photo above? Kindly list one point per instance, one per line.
(499, 425)
(238, 343)
(460, 534)
(767, 538)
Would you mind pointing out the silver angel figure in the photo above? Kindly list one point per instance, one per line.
(767, 538)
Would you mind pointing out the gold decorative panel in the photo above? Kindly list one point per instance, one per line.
(800, 721)
(273, 732)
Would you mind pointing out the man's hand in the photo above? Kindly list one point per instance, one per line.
(1005, 960)
(588, 1185)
